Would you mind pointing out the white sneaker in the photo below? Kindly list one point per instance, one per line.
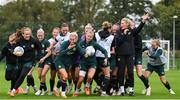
(51, 93)
(111, 91)
(171, 91)
(114, 93)
(143, 91)
(26, 90)
(38, 92)
(63, 95)
(104, 94)
(119, 93)
(44, 92)
(148, 91)
(127, 90)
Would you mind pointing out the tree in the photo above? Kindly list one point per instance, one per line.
(164, 16)
(81, 12)
(121, 8)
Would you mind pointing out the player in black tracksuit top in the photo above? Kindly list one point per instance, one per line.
(125, 52)
(11, 60)
(26, 61)
(138, 59)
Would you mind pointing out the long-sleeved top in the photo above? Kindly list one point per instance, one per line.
(7, 52)
(31, 47)
(68, 56)
(125, 42)
(91, 59)
(44, 45)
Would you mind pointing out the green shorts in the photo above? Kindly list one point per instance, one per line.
(86, 66)
(46, 62)
(53, 66)
(138, 60)
(61, 65)
(100, 62)
(158, 69)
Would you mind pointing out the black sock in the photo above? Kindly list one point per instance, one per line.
(32, 81)
(97, 80)
(59, 84)
(144, 80)
(41, 86)
(114, 83)
(105, 83)
(28, 80)
(51, 84)
(64, 85)
(45, 87)
(167, 85)
(12, 84)
(126, 85)
(69, 81)
(75, 83)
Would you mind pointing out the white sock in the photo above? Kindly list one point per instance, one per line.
(13, 90)
(122, 88)
(131, 89)
(103, 92)
(77, 90)
(63, 93)
(87, 84)
(98, 87)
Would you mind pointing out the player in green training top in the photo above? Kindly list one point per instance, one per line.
(44, 62)
(65, 60)
(88, 62)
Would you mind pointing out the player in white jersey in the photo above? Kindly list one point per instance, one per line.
(104, 38)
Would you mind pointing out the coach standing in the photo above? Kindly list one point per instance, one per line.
(125, 52)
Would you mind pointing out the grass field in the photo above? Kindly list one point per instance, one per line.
(158, 90)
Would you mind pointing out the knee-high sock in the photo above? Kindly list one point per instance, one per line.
(105, 83)
(144, 80)
(51, 84)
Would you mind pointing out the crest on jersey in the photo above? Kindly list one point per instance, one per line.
(129, 33)
(32, 45)
(74, 49)
(43, 45)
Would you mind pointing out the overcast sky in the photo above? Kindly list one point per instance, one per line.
(2, 2)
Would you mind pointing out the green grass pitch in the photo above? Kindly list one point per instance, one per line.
(158, 90)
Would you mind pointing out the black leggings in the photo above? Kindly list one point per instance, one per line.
(23, 73)
(122, 63)
(11, 75)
